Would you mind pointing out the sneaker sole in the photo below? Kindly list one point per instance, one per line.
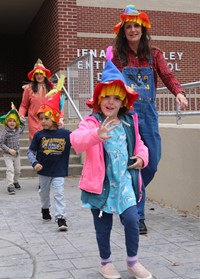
(116, 274)
(143, 232)
(132, 273)
(11, 193)
(110, 276)
(63, 229)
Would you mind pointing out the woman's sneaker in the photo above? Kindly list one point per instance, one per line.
(139, 271)
(143, 227)
(11, 190)
(109, 271)
(46, 214)
(62, 226)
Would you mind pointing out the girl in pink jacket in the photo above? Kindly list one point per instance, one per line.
(111, 180)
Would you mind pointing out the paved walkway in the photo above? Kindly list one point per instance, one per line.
(31, 249)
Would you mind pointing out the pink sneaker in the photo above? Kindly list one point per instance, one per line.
(109, 271)
(139, 271)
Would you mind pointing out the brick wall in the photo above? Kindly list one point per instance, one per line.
(52, 35)
(42, 37)
(67, 31)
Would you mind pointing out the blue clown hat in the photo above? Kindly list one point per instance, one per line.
(111, 75)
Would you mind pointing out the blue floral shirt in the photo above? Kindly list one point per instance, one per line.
(121, 195)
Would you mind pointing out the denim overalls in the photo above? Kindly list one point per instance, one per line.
(142, 81)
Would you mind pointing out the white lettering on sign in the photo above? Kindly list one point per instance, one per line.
(97, 63)
(174, 67)
(180, 54)
(95, 53)
(171, 57)
(99, 75)
(84, 65)
(102, 54)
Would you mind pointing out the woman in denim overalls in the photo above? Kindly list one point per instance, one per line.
(140, 64)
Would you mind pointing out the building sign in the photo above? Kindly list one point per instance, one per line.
(99, 57)
(172, 59)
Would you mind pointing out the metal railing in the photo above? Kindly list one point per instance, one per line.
(80, 85)
(167, 106)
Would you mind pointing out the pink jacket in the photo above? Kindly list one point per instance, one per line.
(85, 139)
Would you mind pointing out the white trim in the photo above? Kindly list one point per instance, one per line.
(156, 38)
(179, 6)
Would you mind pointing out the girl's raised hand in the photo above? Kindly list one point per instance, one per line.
(105, 128)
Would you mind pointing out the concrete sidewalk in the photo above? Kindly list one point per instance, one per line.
(31, 249)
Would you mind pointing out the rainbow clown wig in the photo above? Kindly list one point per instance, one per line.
(112, 83)
(132, 15)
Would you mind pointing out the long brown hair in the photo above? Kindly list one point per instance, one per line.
(121, 47)
(47, 83)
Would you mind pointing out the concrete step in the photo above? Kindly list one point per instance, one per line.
(75, 165)
(23, 151)
(28, 171)
(73, 159)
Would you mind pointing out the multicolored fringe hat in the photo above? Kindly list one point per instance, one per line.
(54, 102)
(112, 83)
(13, 113)
(132, 15)
(39, 68)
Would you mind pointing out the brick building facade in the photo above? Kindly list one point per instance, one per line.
(64, 29)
